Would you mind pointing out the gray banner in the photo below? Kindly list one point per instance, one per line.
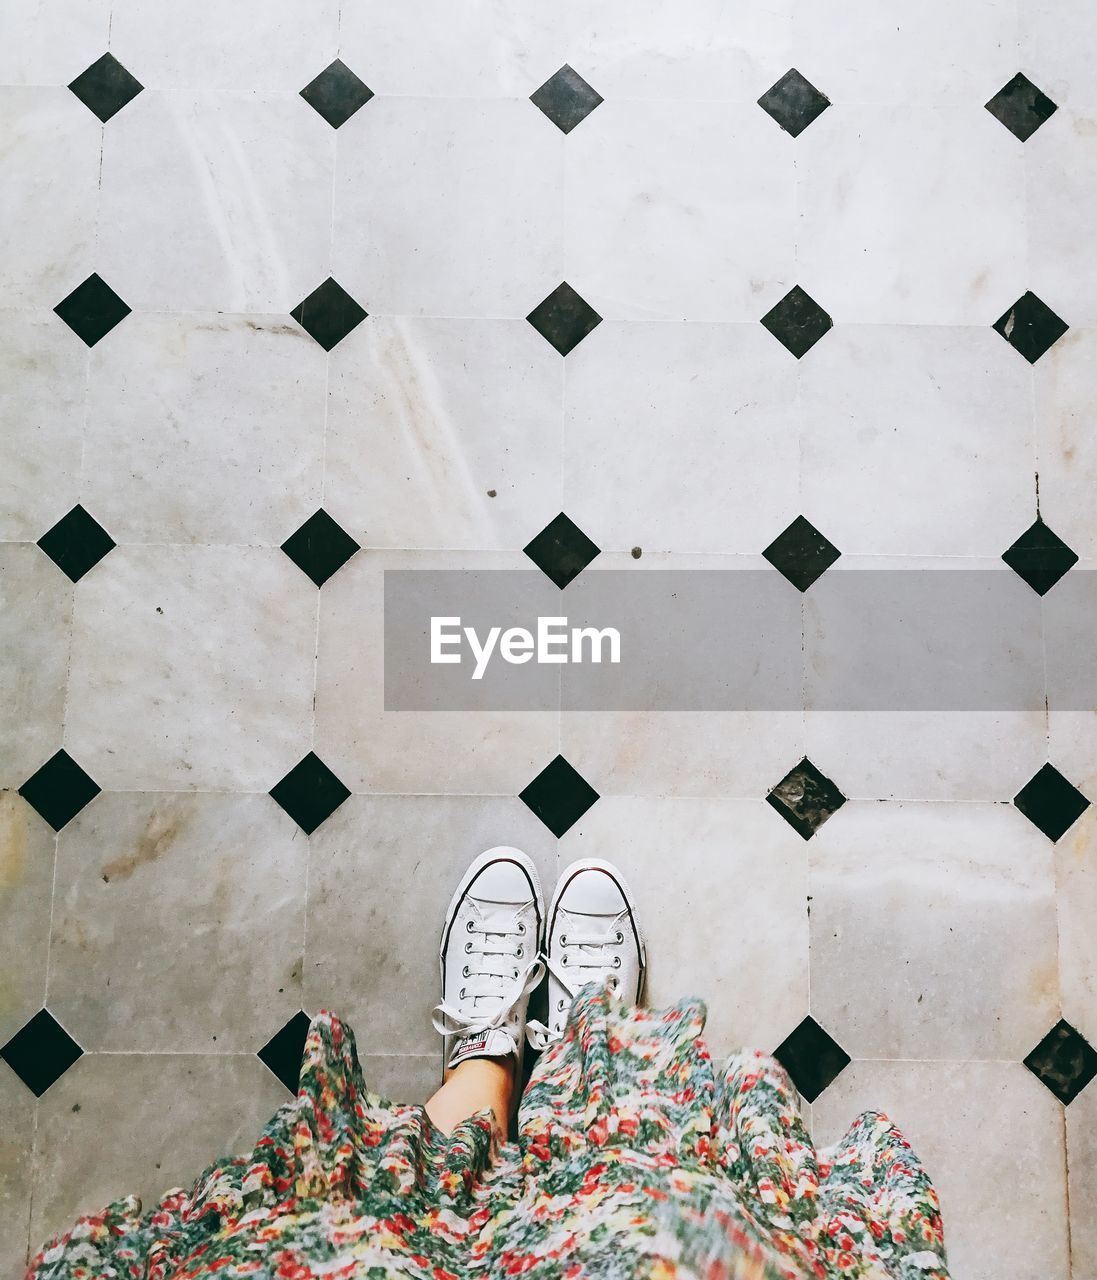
(912, 640)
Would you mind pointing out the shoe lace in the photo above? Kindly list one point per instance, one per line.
(493, 979)
(581, 954)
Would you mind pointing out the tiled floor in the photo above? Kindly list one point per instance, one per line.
(845, 304)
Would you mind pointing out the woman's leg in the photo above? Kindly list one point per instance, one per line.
(474, 1085)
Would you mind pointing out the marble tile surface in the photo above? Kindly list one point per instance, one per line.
(421, 226)
(49, 241)
(168, 1117)
(170, 682)
(711, 404)
(679, 214)
(382, 870)
(933, 931)
(26, 891)
(910, 215)
(371, 749)
(1064, 386)
(178, 923)
(668, 851)
(1002, 1186)
(444, 433)
(43, 374)
(186, 413)
(36, 601)
(216, 202)
(1081, 1121)
(1076, 878)
(16, 1157)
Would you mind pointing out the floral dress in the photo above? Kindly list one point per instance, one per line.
(633, 1159)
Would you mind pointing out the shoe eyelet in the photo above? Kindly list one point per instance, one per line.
(521, 926)
(619, 936)
(563, 939)
(617, 962)
(465, 971)
(468, 926)
(461, 994)
(516, 973)
(468, 947)
(520, 952)
(560, 1005)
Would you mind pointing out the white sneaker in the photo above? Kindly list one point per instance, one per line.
(489, 958)
(591, 936)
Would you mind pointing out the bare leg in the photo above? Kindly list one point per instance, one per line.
(471, 1087)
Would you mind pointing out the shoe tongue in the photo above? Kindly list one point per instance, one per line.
(496, 1043)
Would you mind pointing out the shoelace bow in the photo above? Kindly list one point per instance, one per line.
(497, 978)
(592, 955)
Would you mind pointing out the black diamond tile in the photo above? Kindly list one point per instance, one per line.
(41, 1052)
(806, 798)
(812, 1057)
(92, 309)
(76, 543)
(1040, 557)
(59, 790)
(797, 322)
(801, 553)
(328, 314)
(794, 102)
(1064, 1060)
(564, 319)
(105, 87)
(320, 547)
(282, 1052)
(1021, 107)
(1030, 327)
(559, 796)
(310, 793)
(566, 99)
(561, 550)
(336, 93)
(1050, 802)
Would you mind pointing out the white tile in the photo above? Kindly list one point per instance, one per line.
(35, 623)
(49, 237)
(990, 1136)
(389, 865)
(935, 52)
(1059, 48)
(700, 49)
(718, 884)
(911, 215)
(216, 202)
(16, 1164)
(683, 753)
(1064, 392)
(43, 371)
(1061, 178)
(1076, 874)
(26, 892)
(444, 433)
(218, 883)
(168, 1117)
(1072, 746)
(449, 207)
(49, 42)
(205, 428)
(192, 668)
(933, 931)
(680, 211)
(251, 44)
(928, 755)
(403, 1077)
(371, 749)
(692, 429)
(434, 49)
(917, 440)
(1081, 1162)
